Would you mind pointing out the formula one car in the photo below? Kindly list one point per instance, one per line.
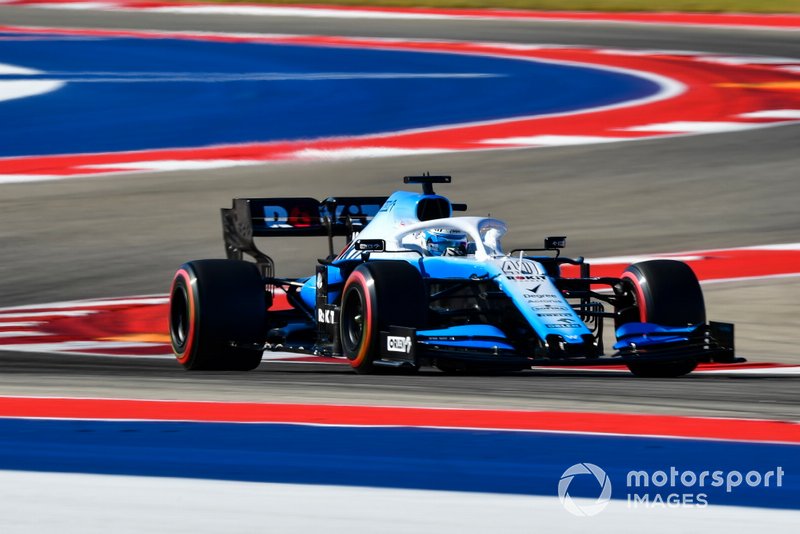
(415, 286)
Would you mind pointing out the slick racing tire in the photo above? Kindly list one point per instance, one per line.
(377, 295)
(215, 304)
(665, 292)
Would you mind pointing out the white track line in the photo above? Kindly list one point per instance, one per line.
(90, 303)
(568, 17)
(694, 127)
(554, 140)
(748, 60)
(176, 164)
(363, 152)
(21, 333)
(773, 114)
(73, 313)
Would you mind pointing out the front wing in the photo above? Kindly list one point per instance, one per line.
(484, 344)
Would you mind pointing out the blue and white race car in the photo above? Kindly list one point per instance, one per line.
(415, 286)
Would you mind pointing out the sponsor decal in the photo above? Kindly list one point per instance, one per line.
(520, 267)
(398, 344)
(566, 322)
(326, 316)
(279, 217)
(532, 296)
(554, 307)
(523, 277)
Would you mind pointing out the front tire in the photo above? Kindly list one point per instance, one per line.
(378, 295)
(214, 304)
(665, 292)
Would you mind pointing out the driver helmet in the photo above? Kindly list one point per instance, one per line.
(445, 242)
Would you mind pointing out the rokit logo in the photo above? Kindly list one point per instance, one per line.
(398, 344)
(326, 316)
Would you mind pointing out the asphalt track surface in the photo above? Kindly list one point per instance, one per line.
(106, 237)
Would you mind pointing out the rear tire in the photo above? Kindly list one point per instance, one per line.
(378, 295)
(212, 304)
(666, 292)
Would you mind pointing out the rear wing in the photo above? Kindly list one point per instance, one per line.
(292, 217)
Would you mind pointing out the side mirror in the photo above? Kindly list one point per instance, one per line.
(555, 243)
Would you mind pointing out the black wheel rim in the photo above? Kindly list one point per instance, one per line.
(179, 317)
(353, 320)
(630, 307)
